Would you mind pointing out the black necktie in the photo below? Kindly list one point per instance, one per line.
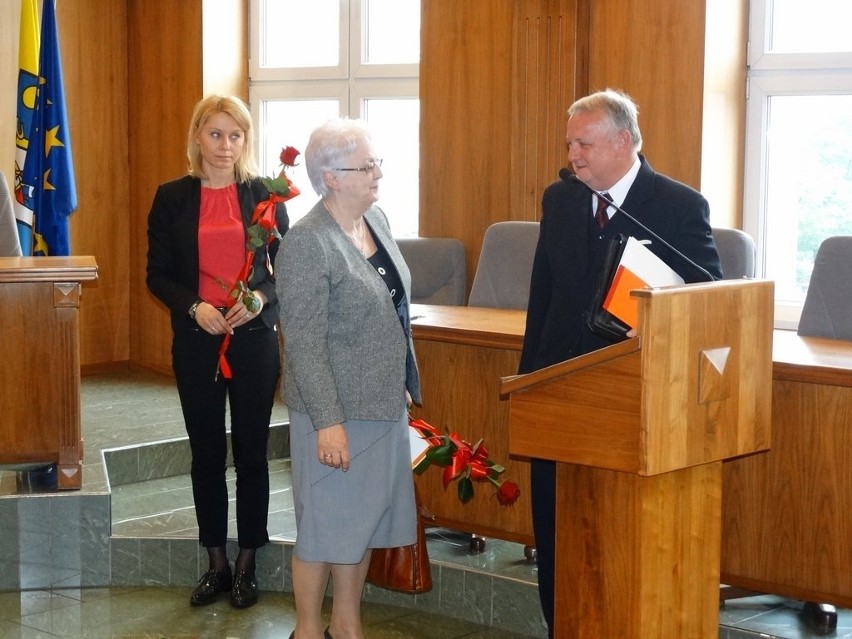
(600, 213)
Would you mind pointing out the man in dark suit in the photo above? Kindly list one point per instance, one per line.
(603, 141)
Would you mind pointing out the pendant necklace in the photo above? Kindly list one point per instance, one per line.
(359, 240)
(356, 237)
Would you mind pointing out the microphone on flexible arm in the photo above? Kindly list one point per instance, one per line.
(569, 176)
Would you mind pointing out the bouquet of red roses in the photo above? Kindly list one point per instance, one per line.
(463, 462)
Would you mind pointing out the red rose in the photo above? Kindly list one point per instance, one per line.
(288, 156)
(508, 493)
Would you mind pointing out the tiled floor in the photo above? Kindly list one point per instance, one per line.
(765, 616)
(113, 407)
(163, 613)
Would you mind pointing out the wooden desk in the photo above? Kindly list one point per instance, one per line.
(462, 353)
(787, 513)
(40, 371)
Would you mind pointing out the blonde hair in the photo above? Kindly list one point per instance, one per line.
(246, 166)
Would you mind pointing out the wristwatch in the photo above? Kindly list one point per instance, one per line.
(193, 308)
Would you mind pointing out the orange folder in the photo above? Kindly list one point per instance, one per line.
(638, 268)
(618, 300)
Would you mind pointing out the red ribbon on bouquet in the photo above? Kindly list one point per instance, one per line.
(262, 230)
(463, 462)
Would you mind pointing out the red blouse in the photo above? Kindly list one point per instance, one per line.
(221, 244)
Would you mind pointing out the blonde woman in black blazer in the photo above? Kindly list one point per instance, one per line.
(197, 231)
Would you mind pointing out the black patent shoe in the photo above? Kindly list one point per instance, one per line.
(211, 584)
(243, 590)
(820, 618)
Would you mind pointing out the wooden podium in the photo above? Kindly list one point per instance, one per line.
(639, 430)
(40, 372)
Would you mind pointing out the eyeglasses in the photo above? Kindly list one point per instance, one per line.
(369, 167)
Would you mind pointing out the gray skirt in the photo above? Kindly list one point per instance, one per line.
(340, 515)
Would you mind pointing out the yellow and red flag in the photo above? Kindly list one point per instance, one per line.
(28, 47)
(48, 168)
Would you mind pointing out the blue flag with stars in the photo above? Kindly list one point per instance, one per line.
(48, 166)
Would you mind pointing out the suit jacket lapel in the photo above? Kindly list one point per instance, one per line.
(381, 235)
(642, 188)
(578, 229)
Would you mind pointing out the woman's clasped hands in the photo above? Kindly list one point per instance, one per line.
(214, 321)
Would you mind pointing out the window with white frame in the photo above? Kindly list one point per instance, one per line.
(311, 61)
(798, 140)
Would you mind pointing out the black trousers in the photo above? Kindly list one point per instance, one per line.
(255, 365)
(543, 494)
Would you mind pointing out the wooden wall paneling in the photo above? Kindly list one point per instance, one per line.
(165, 82)
(550, 39)
(468, 126)
(684, 62)
(723, 137)
(655, 52)
(465, 121)
(93, 42)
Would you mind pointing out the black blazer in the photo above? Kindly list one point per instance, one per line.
(570, 250)
(173, 246)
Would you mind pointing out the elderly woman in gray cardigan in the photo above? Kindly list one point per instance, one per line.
(349, 376)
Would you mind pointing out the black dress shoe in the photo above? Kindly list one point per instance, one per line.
(244, 590)
(209, 586)
(820, 617)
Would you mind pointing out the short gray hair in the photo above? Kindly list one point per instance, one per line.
(329, 145)
(619, 108)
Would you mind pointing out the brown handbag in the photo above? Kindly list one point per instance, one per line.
(404, 568)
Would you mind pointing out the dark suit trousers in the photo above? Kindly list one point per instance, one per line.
(255, 365)
(543, 494)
